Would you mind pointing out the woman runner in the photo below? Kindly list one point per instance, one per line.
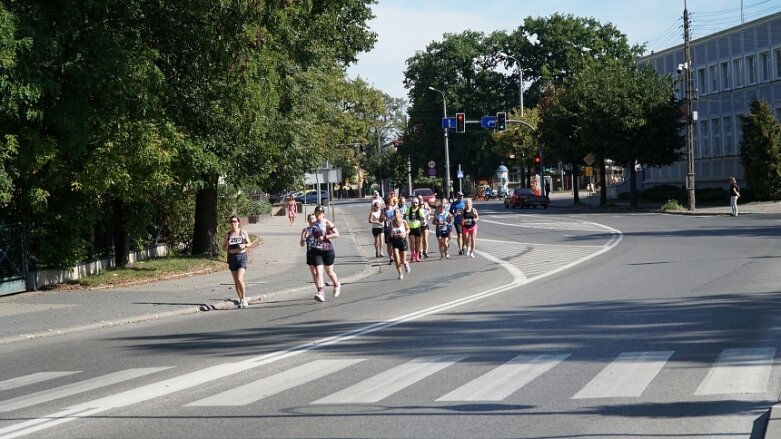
(469, 221)
(398, 233)
(415, 221)
(424, 226)
(323, 253)
(442, 226)
(375, 219)
(236, 243)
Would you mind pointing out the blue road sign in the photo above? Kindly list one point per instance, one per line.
(449, 122)
(488, 121)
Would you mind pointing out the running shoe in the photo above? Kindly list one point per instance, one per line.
(460, 253)
(447, 255)
(425, 255)
(244, 303)
(337, 290)
(401, 275)
(472, 255)
(406, 267)
(320, 296)
(390, 262)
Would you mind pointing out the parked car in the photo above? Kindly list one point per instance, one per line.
(310, 197)
(524, 197)
(429, 196)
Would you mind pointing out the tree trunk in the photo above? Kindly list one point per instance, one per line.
(602, 183)
(120, 234)
(205, 229)
(575, 193)
(632, 186)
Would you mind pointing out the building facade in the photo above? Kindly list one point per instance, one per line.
(730, 69)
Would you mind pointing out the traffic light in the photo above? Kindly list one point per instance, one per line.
(537, 164)
(460, 123)
(501, 121)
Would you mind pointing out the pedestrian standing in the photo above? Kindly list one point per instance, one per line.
(375, 219)
(734, 194)
(291, 209)
(457, 210)
(442, 226)
(424, 226)
(323, 253)
(469, 222)
(399, 232)
(237, 244)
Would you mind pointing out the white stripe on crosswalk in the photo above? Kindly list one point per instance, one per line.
(501, 382)
(263, 388)
(628, 375)
(391, 381)
(744, 370)
(33, 378)
(75, 388)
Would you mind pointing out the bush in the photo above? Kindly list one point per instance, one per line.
(671, 204)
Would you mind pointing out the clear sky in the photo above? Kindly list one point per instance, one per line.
(407, 26)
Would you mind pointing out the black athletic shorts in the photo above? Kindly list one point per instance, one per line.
(237, 260)
(414, 232)
(377, 231)
(400, 244)
(323, 257)
(459, 228)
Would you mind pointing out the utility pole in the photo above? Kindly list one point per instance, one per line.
(689, 72)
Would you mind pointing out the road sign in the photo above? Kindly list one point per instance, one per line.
(460, 174)
(589, 159)
(488, 122)
(432, 164)
(449, 122)
(432, 172)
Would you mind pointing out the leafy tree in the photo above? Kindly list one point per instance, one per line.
(760, 151)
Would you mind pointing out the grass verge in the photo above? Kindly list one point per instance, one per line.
(154, 270)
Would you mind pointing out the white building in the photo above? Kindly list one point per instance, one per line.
(730, 68)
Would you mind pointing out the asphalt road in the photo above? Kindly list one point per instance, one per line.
(565, 325)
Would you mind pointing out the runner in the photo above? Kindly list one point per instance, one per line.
(414, 221)
(323, 253)
(307, 238)
(470, 218)
(375, 219)
(378, 199)
(457, 210)
(237, 243)
(442, 227)
(424, 226)
(388, 214)
(399, 232)
(403, 208)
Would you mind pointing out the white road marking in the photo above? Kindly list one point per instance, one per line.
(506, 379)
(627, 375)
(76, 388)
(248, 393)
(33, 378)
(744, 370)
(387, 383)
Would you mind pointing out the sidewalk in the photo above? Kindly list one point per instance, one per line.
(592, 203)
(277, 267)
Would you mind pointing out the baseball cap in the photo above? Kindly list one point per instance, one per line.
(459, 194)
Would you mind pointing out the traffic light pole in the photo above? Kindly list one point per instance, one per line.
(447, 148)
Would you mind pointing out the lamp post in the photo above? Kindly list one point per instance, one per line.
(447, 149)
(520, 80)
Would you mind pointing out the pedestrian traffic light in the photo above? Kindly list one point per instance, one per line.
(501, 121)
(537, 164)
(460, 123)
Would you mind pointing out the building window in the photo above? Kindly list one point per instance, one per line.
(705, 131)
(729, 147)
(751, 65)
(726, 81)
(739, 119)
(737, 72)
(778, 62)
(701, 84)
(715, 126)
(764, 66)
(714, 79)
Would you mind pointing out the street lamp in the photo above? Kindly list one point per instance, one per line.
(520, 80)
(447, 149)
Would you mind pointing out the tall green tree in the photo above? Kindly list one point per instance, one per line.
(760, 151)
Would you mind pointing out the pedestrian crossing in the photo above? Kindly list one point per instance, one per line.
(739, 371)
